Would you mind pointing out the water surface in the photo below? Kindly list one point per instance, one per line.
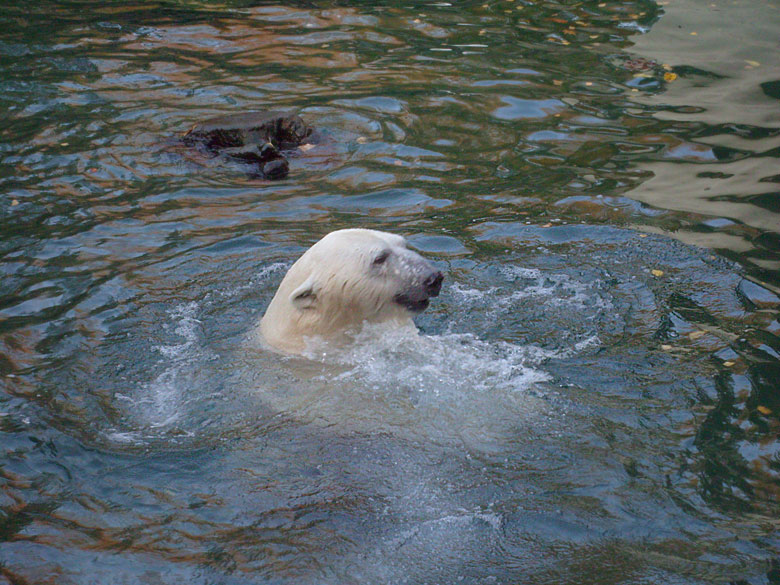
(592, 399)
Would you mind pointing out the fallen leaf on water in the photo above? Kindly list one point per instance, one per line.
(696, 334)
(752, 63)
(14, 202)
(729, 364)
(657, 272)
(763, 410)
(670, 76)
(666, 347)
(642, 235)
(547, 225)
(694, 34)
(305, 147)
(362, 140)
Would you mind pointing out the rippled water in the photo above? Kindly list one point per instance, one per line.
(593, 398)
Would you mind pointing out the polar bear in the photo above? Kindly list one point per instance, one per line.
(347, 278)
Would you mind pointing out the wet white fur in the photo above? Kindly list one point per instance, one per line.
(336, 286)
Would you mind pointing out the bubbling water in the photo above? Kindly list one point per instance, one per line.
(162, 403)
(389, 379)
(448, 388)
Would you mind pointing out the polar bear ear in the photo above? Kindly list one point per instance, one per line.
(305, 295)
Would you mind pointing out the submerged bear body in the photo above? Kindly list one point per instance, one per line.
(347, 278)
(257, 138)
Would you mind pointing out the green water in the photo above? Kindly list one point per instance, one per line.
(595, 397)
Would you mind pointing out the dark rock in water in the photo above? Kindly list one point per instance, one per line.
(268, 159)
(257, 138)
(282, 129)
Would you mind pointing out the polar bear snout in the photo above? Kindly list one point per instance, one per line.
(433, 283)
(416, 299)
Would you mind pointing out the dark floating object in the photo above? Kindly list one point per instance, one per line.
(257, 138)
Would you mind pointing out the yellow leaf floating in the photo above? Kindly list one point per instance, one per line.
(763, 410)
(752, 63)
(657, 272)
(670, 76)
(729, 364)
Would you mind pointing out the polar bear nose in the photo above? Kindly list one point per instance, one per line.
(432, 284)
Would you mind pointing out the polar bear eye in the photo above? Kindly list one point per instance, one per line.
(382, 257)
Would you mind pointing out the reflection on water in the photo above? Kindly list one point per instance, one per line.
(591, 399)
(729, 106)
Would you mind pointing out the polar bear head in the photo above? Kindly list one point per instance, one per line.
(347, 278)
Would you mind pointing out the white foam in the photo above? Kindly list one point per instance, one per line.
(470, 293)
(162, 400)
(262, 275)
(168, 401)
(449, 524)
(446, 388)
(565, 311)
(125, 438)
(555, 289)
(186, 327)
(448, 364)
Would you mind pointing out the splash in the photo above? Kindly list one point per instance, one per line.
(441, 388)
(161, 403)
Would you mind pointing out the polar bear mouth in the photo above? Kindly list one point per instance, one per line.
(415, 306)
(418, 299)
